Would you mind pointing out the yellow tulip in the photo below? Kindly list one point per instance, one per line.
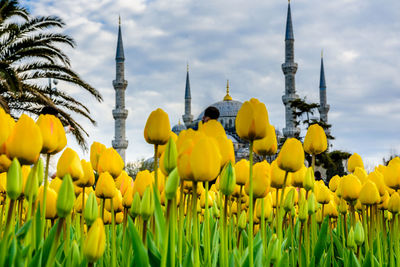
(242, 168)
(55, 184)
(53, 134)
(251, 120)
(369, 194)
(25, 141)
(128, 197)
(315, 140)
(291, 156)
(105, 187)
(361, 174)
(205, 160)
(268, 145)
(25, 170)
(123, 182)
(51, 200)
(6, 125)
(331, 210)
(117, 202)
(213, 128)
(322, 193)
(78, 203)
(95, 242)
(226, 149)
(5, 163)
(261, 180)
(88, 175)
(278, 176)
(157, 129)
(3, 182)
(392, 175)
(350, 187)
(96, 149)
(394, 203)
(69, 163)
(377, 177)
(143, 180)
(353, 162)
(298, 177)
(334, 183)
(110, 161)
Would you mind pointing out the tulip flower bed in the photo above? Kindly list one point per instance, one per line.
(197, 207)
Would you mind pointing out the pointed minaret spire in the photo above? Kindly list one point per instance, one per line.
(120, 113)
(289, 27)
(187, 117)
(120, 47)
(323, 104)
(289, 69)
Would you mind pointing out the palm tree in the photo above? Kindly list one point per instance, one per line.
(30, 54)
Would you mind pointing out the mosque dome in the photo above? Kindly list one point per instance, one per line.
(178, 128)
(228, 109)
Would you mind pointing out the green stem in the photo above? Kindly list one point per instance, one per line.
(166, 237)
(173, 233)
(181, 218)
(46, 184)
(144, 232)
(263, 237)
(113, 239)
(207, 253)
(195, 229)
(225, 229)
(281, 208)
(251, 213)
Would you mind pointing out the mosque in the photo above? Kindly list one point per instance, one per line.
(228, 107)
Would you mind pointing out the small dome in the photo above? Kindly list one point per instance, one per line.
(178, 128)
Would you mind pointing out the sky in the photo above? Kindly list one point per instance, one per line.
(242, 41)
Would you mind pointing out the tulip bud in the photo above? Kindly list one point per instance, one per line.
(105, 187)
(128, 198)
(315, 140)
(242, 171)
(78, 203)
(157, 129)
(74, 255)
(51, 200)
(135, 207)
(351, 244)
(14, 180)
(88, 175)
(215, 210)
(343, 206)
(394, 203)
(143, 179)
(95, 242)
(250, 120)
(291, 156)
(275, 249)
(172, 184)
(53, 134)
(288, 203)
(227, 180)
(261, 180)
(32, 184)
(242, 220)
(110, 161)
(91, 209)
(303, 211)
(353, 162)
(96, 149)
(308, 183)
(69, 163)
(170, 156)
(334, 183)
(359, 234)
(205, 159)
(351, 187)
(369, 194)
(25, 141)
(66, 197)
(147, 204)
(312, 204)
(117, 202)
(268, 145)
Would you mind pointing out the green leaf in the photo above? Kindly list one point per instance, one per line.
(12, 251)
(21, 233)
(159, 218)
(352, 260)
(187, 261)
(37, 259)
(321, 241)
(48, 243)
(38, 227)
(140, 253)
(284, 261)
(154, 254)
(303, 256)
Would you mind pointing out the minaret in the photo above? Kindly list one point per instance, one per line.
(120, 113)
(187, 117)
(323, 106)
(289, 69)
